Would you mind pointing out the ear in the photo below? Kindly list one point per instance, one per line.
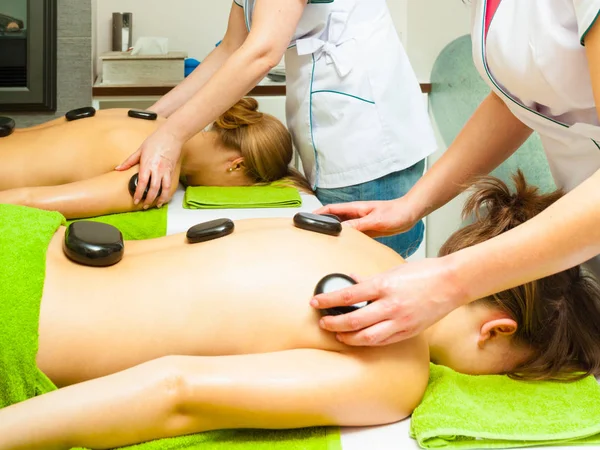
(236, 164)
(497, 328)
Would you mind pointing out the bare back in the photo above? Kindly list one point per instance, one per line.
(66, 152)
(246, 293)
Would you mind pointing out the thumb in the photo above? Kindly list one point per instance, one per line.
(363, 224)
(130, 162)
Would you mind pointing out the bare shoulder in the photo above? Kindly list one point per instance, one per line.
(399, 374)
(348, 238)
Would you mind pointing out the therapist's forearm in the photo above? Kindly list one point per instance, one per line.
(172, 101)
(238, 76)
(490, 136)
(564, 235)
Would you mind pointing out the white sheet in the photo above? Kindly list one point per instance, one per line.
(388, 437)
(179, 219)
(396, 437)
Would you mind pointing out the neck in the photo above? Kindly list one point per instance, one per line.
(193, 152)
(428, 335)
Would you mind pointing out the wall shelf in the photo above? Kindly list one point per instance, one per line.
(266, 90)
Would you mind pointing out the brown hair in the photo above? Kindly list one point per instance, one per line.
(264, 142)
(558, 316)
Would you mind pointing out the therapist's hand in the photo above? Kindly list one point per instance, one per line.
(406, 300)
(158, 157)
(377, 218)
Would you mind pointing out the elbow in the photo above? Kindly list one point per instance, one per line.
(270, 60)
(18, 196)
(266, 56)
(170, 386)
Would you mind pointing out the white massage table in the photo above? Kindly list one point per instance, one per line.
(179, 219)
(389, 437)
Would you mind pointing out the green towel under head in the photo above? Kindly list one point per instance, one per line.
(137, 225)
(25, 234)
(211, 197)
(464, 411)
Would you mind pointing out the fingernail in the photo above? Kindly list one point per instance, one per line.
(338, 337)
(146, 207)
(159, 205)
(136, 202)
(314, 303)
(322, 323)
(117, 168)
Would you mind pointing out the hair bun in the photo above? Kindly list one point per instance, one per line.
(243, 113)
(493, 201)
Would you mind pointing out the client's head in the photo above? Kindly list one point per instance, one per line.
(541, 330)
(243, 147)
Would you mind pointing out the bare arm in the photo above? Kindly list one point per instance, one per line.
(491, 135)
(234, 37)
(415, 295)
(273, 26)
(101, 195)
(488, 139)
(176, 396)
(564, 235)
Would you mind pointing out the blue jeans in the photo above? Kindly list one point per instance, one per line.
(389, 187)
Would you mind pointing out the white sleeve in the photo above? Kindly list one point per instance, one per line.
(239, 2)
(587, 12)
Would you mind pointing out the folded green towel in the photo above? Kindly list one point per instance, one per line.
(462, 411)
(24, 237)
(210, 197)
(138, 225)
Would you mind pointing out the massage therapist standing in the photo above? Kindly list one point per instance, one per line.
(354, 107)
(541, 58)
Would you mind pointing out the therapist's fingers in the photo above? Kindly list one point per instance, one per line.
(165, 196)
(397, 337)
(155, 184)
(356, 320)
(370, 225)
(374, 336)
(130, 162)
(361, 292)
(345, 211)
(143, 178)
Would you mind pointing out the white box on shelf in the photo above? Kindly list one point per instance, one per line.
(121, 68)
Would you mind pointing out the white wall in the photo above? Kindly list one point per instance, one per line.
(194, 26)
(431, 25)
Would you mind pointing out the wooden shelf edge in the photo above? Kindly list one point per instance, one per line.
(150, 91)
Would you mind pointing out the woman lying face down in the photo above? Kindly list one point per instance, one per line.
(250, 351)
(546, 329)
(69, 166)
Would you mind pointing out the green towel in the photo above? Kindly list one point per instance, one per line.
(210, 197)
(463, 411)
(302, 439)
(138, 225)
(24, 237)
